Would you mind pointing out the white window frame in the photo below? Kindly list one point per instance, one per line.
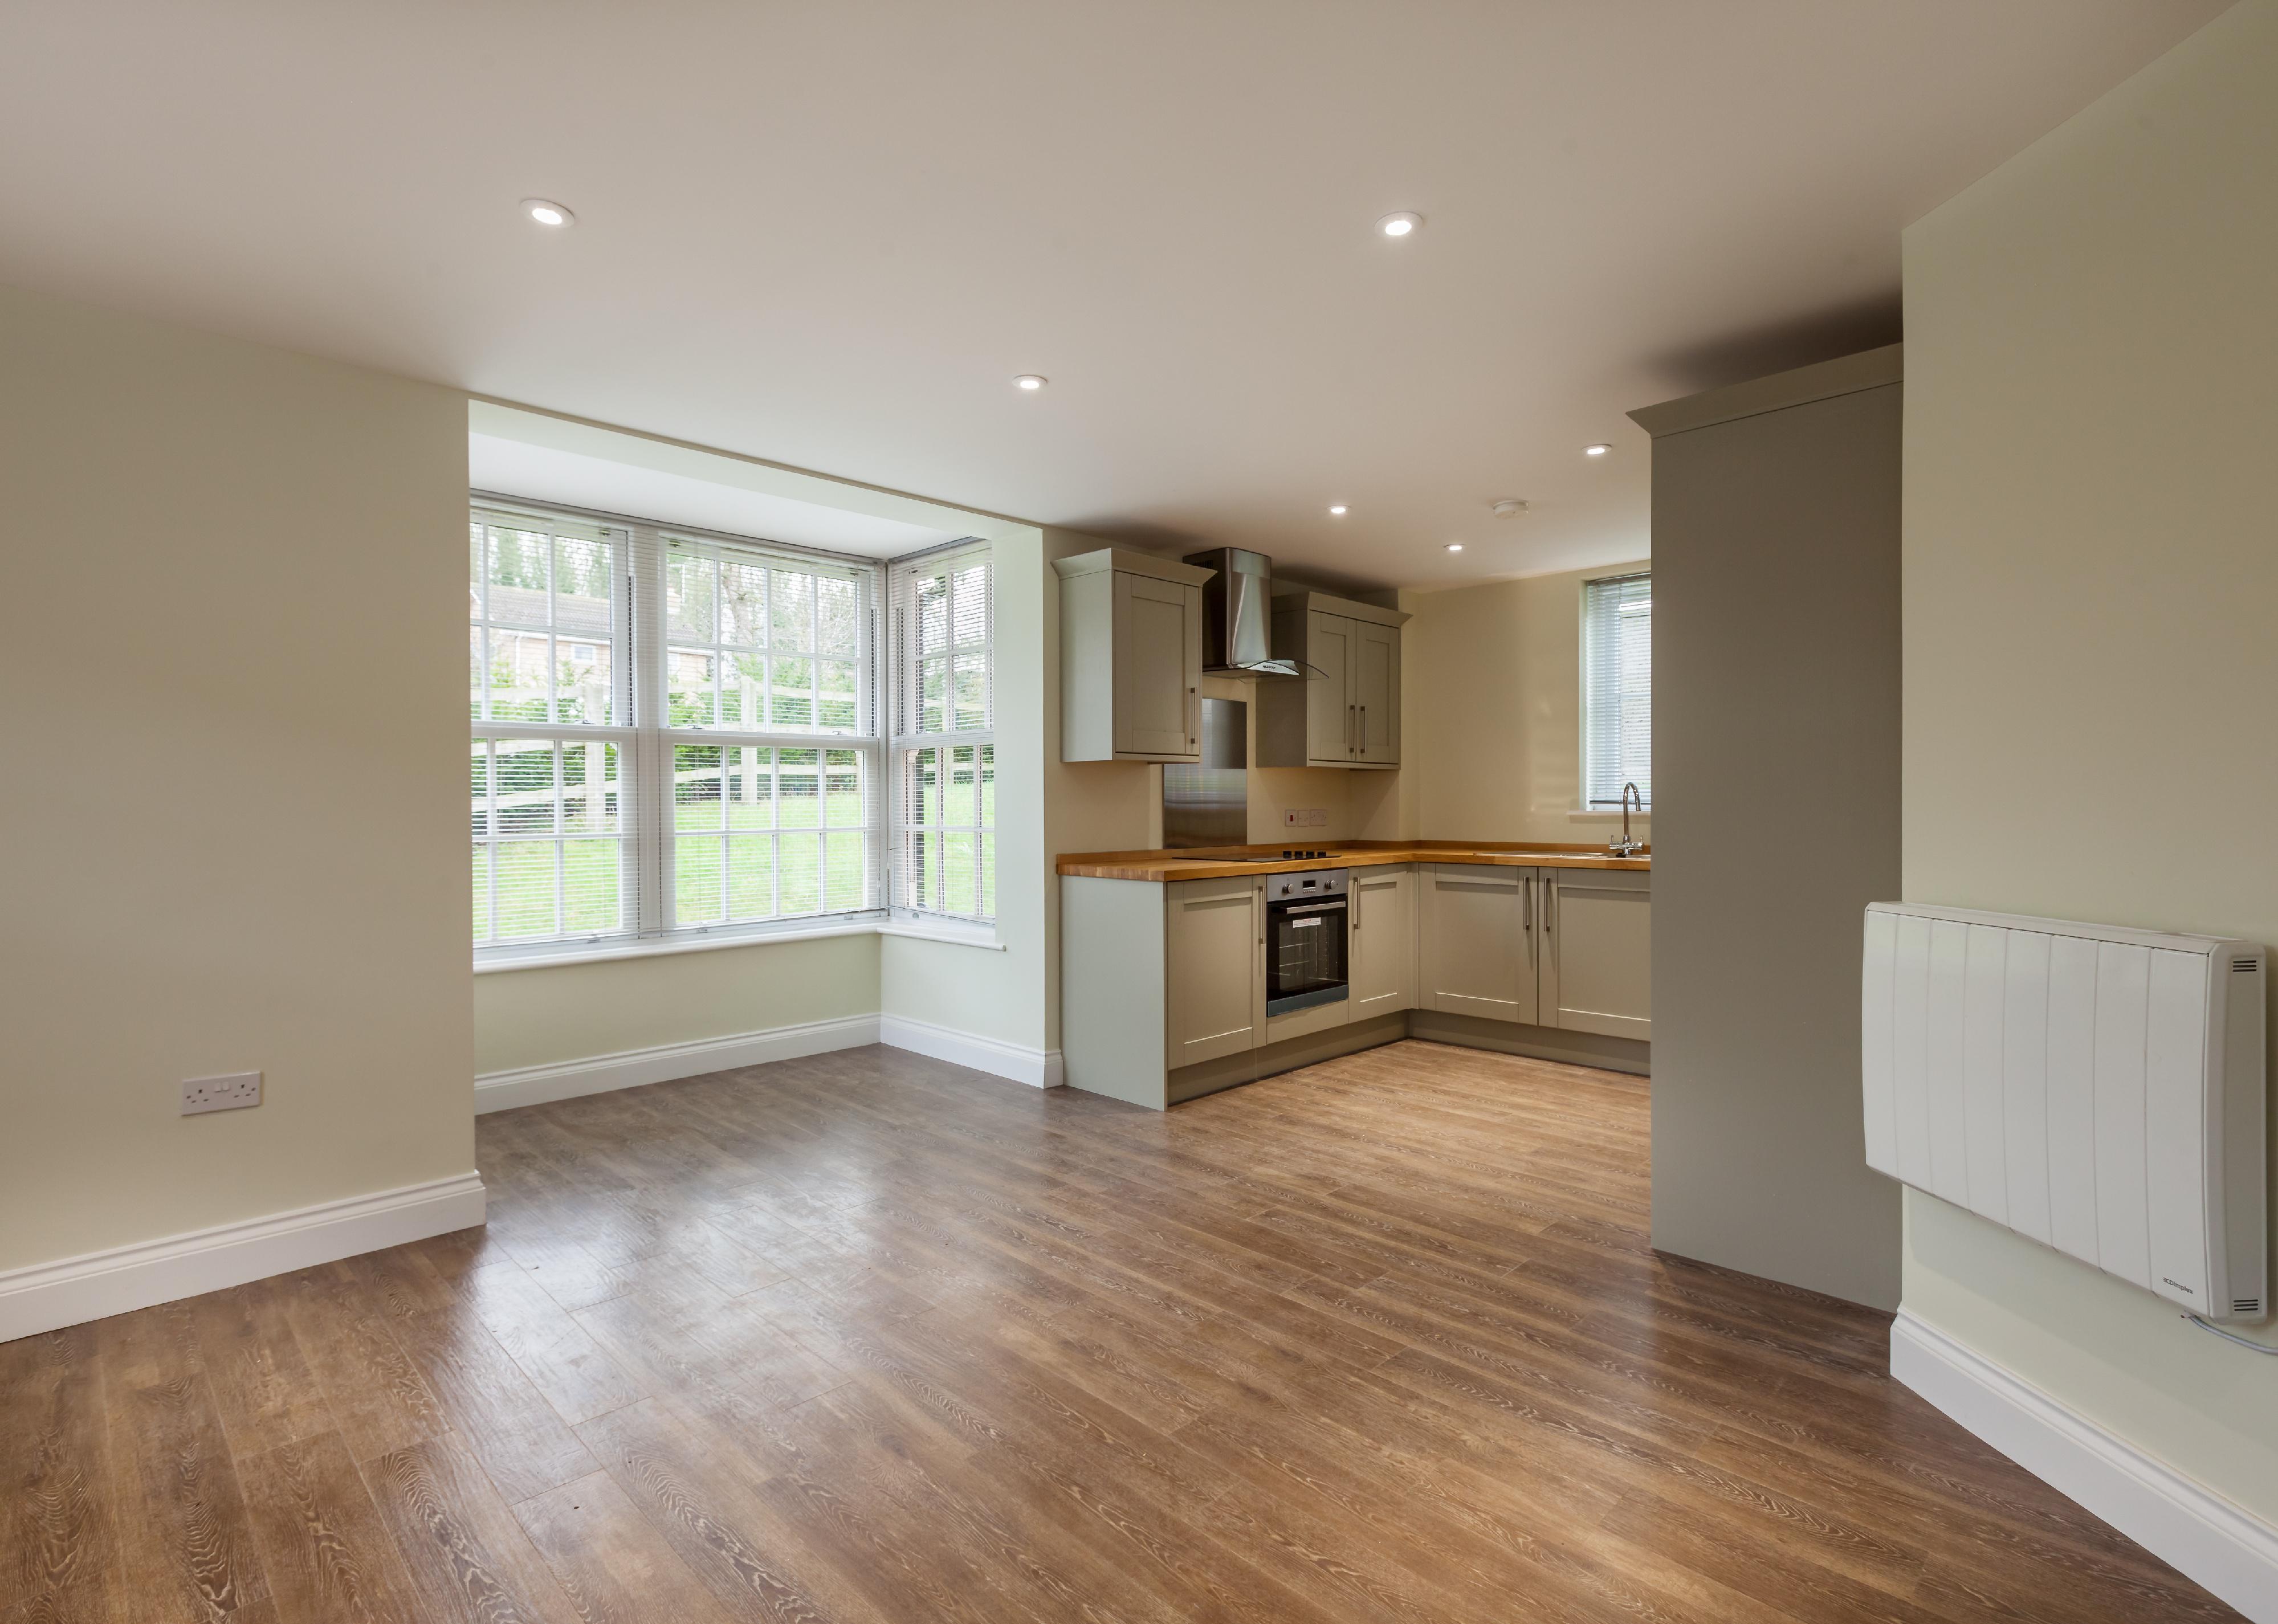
(908, 739)
(1591, 801)
(640, 684)
(618, 732)
(864, 742)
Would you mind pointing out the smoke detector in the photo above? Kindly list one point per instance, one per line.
(1509, 508)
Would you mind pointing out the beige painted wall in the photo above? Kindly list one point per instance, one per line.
(2090, 594)
(1491, 717)
(993, 993)
(545, 1015)
(232, 645)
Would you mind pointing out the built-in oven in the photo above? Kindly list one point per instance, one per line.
(1305, 940)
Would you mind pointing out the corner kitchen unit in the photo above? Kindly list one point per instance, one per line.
(1184, 972)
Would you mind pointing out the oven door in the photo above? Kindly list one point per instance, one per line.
(1304, 954)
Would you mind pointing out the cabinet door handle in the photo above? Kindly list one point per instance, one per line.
(1364, 729)
(1351, 710)
(1530, 922)
(1193, 722)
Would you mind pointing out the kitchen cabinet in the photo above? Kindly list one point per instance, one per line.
(1480, 950)
(1345, 710)
(1214, 965)
(1131, 657)
(1382, 973)
(1596, 935)
(1376, 694)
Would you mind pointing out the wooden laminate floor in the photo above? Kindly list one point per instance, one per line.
(867, 1337)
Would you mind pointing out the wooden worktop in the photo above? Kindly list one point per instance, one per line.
(1216, 862)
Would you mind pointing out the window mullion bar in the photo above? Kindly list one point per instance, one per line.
(561, 842)
(491, 824)
(651, 754)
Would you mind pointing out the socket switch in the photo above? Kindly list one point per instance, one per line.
(232, 1093)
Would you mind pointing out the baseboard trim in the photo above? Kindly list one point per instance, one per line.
(567, 1079)
(1601, 1051)
(98, 1284)
(1039, 1068)
(2198, 1532)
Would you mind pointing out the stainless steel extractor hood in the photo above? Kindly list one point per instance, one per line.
(1237, 614)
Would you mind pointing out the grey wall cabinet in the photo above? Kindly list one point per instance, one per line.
(1376, 694)
(1480, 950)
(1131, 657)
(1346, 711)
(1214, 965)
(1382, 965)
(1595, 951)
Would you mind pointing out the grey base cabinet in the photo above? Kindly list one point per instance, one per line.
(1597, 966)
(1480, 947)
(1568, 948)
(1213, 968)
(1381, 969)
(1163, 985)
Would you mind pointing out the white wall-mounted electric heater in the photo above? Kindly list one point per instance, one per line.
(2101, 1090)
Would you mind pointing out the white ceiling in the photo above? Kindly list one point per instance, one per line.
(828, 235)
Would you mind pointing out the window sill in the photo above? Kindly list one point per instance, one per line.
(1591, 814)
(982, 936)
(659, 947)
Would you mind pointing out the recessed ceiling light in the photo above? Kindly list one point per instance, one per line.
(1596, 451)
(547, 213)
(1030, 381)
(1455, 546)
(1337, 510)
(1399, 224)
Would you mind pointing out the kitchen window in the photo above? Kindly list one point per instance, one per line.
(674, 734)
(944, 749)
(1617, 689)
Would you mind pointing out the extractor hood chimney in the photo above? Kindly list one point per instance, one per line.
(1237, 610)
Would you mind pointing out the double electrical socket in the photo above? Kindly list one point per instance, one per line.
(1305, 817)
(232, 1093)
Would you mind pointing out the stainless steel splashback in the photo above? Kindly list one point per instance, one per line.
(1209, 805)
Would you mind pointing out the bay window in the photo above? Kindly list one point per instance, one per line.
(676, 733)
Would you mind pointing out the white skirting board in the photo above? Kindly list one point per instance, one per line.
(73, 1290)
(499, 1091)
(1039, 1068)
(2203, 1536)
(566, 1079)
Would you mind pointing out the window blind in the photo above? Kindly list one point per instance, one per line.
(1616, 688)
(944, 745)
(672, 733)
